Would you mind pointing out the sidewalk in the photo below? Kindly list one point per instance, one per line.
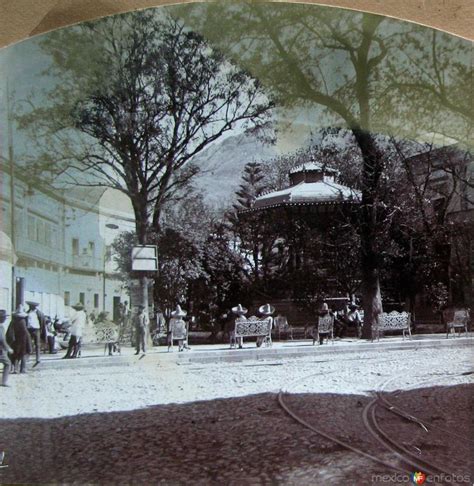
(93, 354)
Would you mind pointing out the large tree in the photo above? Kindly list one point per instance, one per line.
(136, 97)
(361, 71)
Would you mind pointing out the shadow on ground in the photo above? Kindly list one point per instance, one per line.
(248, 440)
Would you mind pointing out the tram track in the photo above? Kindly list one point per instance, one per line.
(408, 461)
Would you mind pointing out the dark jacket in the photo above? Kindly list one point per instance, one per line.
(18, 337)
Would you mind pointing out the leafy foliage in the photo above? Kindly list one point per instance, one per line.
(131, 114)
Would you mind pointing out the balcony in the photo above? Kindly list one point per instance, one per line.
(86, 262)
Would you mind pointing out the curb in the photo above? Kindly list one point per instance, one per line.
(237, 355)
(251, 353)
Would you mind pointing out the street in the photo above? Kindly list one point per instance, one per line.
(166, 420)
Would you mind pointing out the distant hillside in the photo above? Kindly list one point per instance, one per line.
(221, 166)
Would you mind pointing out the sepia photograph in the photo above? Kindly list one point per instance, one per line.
(236, 248)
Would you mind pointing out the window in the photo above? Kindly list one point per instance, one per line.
(54, 238)
(31, 227)
(82, 298)
(91, 248)
(48, 235)
(40, 231)
(96, 301)
(19, 222)
(439, 207)
(67, 298)
(75, 246)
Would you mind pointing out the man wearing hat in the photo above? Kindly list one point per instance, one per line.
(266, 311)
(240, 312)
(78, 323)
(19, 339)
(4, 348)
(353, 317)
(36, 326)
(142, 323)
(178, 328)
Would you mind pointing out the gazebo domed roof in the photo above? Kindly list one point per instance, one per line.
(310, 184)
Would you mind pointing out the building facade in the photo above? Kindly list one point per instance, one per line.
(56, 246)
(444, 176)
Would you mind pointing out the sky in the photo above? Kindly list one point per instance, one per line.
(22, 69)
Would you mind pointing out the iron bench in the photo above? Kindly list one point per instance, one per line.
(325, 327)
(178, 332)
(394, 321)
(459, 321)
(251, 327)
(108, 335)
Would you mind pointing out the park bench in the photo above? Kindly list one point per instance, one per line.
(393, 321)
(159, 336)
(178, 331)
(282, 327)
(251, 327)
(459, 321)
(108, 335)
(325, 327)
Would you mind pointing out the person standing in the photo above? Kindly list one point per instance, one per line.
(50, 335)
(124, 321)
(36, 326)
(19, 339)
(142, 322)
(353, 318)
(160, 321)
(78, 322)
(5, 349)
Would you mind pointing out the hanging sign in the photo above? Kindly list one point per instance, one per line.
(145, 258)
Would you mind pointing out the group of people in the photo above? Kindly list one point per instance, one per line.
(347, 318)
(265, 311)
(343, 320)
(26, 332)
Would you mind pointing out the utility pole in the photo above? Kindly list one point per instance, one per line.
(12, 197)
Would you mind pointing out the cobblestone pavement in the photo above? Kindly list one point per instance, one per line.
(136, 435)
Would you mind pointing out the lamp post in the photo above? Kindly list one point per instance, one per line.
(105, 258)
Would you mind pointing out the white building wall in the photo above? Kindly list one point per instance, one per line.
(5, 285)
(49, 262)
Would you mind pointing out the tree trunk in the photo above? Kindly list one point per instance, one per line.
(372, 170)
(141, 218)
(372, 301)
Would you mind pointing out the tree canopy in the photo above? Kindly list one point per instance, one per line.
(137, 96)
(360, 71)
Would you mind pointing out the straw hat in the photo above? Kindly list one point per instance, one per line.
(178, 312)
(239, 310)
(324, 307)
(78, 306)
(266, 309)
(20, 311)
(32, 303)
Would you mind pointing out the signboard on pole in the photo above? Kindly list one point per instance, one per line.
(145, 258)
